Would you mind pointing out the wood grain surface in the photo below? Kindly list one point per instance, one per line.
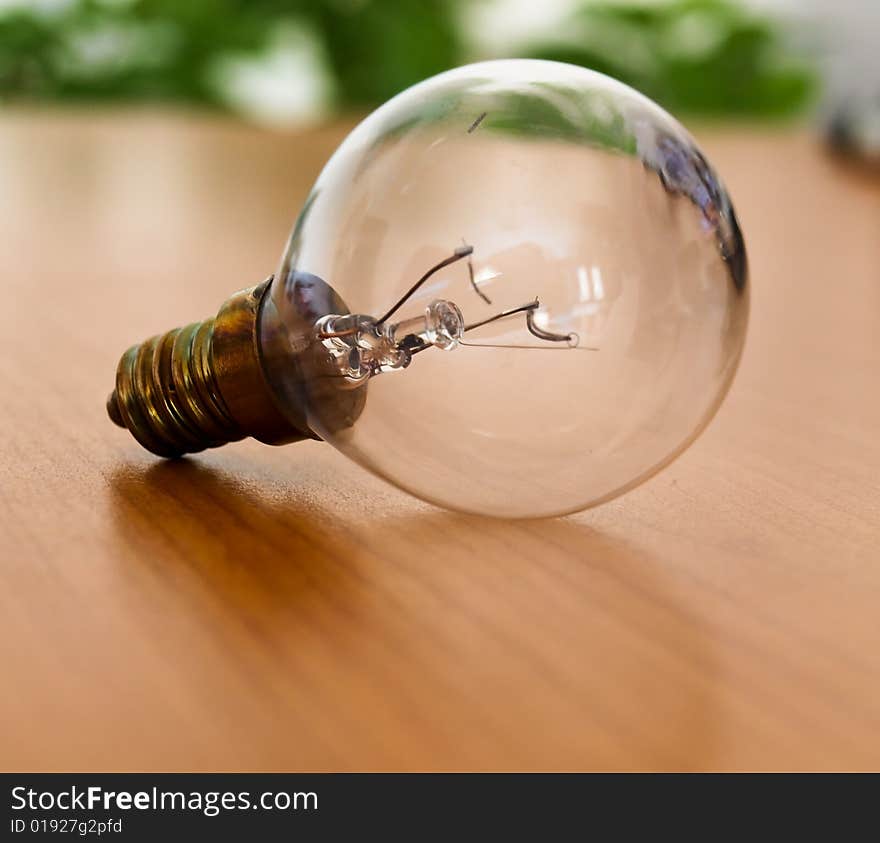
(279, 609)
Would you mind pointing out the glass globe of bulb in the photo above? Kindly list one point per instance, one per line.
(516, 289)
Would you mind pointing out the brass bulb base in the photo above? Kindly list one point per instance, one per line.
(201, 386)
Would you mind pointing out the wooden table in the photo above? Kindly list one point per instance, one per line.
(245, 611)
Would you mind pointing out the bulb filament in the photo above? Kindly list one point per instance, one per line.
(360, 346)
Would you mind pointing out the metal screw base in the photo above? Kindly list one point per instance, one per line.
(201, 386)
(167, 396)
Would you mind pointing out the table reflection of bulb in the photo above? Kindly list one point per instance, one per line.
(517, 289)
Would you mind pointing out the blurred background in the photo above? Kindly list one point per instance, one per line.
(291, 62)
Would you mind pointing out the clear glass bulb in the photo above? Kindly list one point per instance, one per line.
(516, 289)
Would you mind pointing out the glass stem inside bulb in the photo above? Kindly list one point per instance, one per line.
(359, 346)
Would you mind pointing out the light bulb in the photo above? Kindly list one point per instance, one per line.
(516, 289)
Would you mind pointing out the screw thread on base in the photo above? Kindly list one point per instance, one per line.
(167, 395)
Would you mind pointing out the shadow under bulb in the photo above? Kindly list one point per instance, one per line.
(517, 289)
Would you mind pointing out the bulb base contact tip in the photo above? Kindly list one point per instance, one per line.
(201, 386)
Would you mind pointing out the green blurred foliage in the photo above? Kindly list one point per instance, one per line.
(378, 49)
(693, 56)
(161, 50)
